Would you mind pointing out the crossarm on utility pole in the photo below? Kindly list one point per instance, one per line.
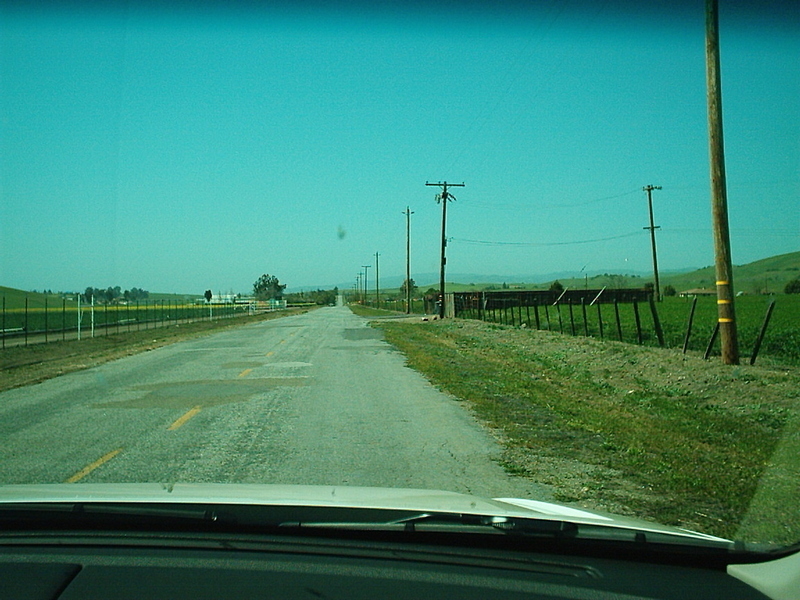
(444, 198)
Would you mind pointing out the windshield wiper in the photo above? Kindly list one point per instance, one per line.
(516, 527)
(452, 522)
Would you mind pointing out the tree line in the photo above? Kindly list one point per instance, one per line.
(111, 295)
(321, 297)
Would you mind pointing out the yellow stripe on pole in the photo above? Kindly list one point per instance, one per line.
(723, 301)
(721, 320)
(723, 283)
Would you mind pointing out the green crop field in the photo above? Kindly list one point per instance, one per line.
(781, 343)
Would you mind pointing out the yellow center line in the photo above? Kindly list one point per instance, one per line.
(189, 414)
(89, 468)
(245, 373)
(270, 353)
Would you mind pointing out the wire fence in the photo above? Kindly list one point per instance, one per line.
(48, 322)
(632, 316)
(565, 311)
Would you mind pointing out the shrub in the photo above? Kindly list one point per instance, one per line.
(793, 287)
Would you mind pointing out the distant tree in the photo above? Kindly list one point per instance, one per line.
(208, 295)
(669, 290)
(408, 283)
(650, 286)
(268, 287)
(793, 287)
(321, 297)
(87, 295)
(556, 286)
(617, 281)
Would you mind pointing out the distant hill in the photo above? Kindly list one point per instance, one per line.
(16, 298)
(768, 275)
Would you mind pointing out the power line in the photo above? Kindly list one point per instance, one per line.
(550, 206)
(490, 107)
(488, 151)
(543, 244)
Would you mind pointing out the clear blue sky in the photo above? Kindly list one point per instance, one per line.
(201, 146)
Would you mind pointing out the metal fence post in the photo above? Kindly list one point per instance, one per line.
(689, 326)
(762, 333)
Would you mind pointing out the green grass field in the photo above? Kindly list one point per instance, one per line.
(781, 343)
(624, 428)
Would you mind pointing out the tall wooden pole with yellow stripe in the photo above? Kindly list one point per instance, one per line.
(719, 195)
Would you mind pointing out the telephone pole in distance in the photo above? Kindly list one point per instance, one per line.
(377, 283)
(408, 212)
(444, 198)
(366, 286)
(649, 189)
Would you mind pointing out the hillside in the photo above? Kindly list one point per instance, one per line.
(765, 275)
(16, 298)
(762, 276)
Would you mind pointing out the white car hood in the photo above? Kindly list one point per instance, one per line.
(426, 501)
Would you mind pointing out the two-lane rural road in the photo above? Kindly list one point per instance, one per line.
(317, 398)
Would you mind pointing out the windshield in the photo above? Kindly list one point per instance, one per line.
(472, 247)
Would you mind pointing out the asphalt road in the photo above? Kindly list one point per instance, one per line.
(317, 398)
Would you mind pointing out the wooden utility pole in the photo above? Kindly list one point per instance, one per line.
(444, 198)
(377, 283)
(366, 281)
(408, 212)
(649, 189)
(719, 195)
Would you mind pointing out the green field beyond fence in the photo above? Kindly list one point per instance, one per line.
(51, 320)
(781, 342)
